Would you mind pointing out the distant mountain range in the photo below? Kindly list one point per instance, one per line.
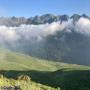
(67, 42)
(46, 18)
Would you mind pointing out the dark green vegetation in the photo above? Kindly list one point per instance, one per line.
(49, 73)
(22, 83)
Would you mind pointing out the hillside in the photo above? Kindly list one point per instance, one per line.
(21, 84)
(9, 60)
(49, 73)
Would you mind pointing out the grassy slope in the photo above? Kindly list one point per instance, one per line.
(55, 74)
(9, 61)
(23, 85)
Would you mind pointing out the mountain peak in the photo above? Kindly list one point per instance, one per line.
(46, 18)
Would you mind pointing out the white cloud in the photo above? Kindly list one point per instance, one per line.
(39, 32)
(83, 26)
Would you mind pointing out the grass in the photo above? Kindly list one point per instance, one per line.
(16, 61)
(22, 85)
(48, 73)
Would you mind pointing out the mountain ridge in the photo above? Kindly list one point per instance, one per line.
(46, 18)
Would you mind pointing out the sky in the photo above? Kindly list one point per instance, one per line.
(28, 8)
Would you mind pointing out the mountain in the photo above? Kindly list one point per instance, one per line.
(47, 52)
(76, 17)
(45, 75)
(46, 18)
(65, 41)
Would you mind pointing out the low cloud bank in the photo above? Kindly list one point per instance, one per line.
(57, 40)
(11, 34)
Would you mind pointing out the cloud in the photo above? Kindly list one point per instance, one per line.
(7, 34)
(40, 32)
(83, 26)
(28, 32)
(57, 40)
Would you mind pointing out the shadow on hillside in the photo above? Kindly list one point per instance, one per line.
(66, 80)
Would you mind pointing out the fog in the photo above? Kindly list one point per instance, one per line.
(68, 41)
